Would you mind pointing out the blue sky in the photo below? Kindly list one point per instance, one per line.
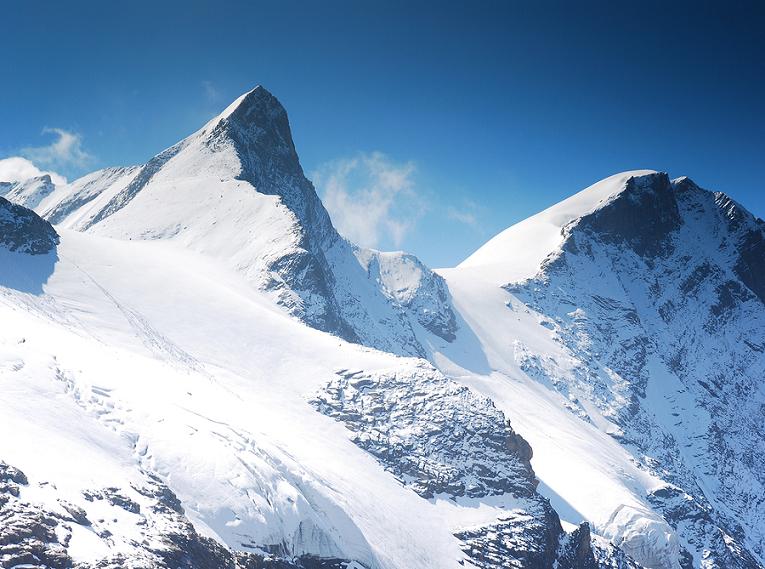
(443, 122)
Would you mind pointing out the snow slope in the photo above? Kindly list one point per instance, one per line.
(122, 371)
(218, 379)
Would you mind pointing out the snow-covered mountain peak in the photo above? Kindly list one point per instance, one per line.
(258, 126)
(29, 193)
(258, 99)
(235, 191)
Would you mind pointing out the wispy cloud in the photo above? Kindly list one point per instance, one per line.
(65, 151)
(370, 198)
(467, 214)
(18, 169)
(212, 94)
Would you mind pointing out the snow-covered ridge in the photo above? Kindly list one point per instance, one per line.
(524, 246)
(28, 193)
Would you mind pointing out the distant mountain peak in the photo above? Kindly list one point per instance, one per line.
(30, 192)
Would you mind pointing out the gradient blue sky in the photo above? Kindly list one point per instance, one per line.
(451, 120)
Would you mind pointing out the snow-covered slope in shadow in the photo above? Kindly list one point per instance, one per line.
(27, 249)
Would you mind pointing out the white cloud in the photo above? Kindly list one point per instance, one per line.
(370, 198)
(18, 169)
(66, 151)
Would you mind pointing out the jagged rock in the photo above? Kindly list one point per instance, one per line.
(439, 438)
(435, 435)
(534, 539)
(27, 533)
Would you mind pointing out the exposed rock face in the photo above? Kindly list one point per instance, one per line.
(435, 435)
(526, 539)
(532, 539)
(23, 231)
(658, 293)
(641, 216)
(36, 537)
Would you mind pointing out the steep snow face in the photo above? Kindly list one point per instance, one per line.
(28, 193)
(235, 191)
(412, 286)
(643, 309)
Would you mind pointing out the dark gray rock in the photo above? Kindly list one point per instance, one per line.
(641, 216)
(534, 539)
(23, 231)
